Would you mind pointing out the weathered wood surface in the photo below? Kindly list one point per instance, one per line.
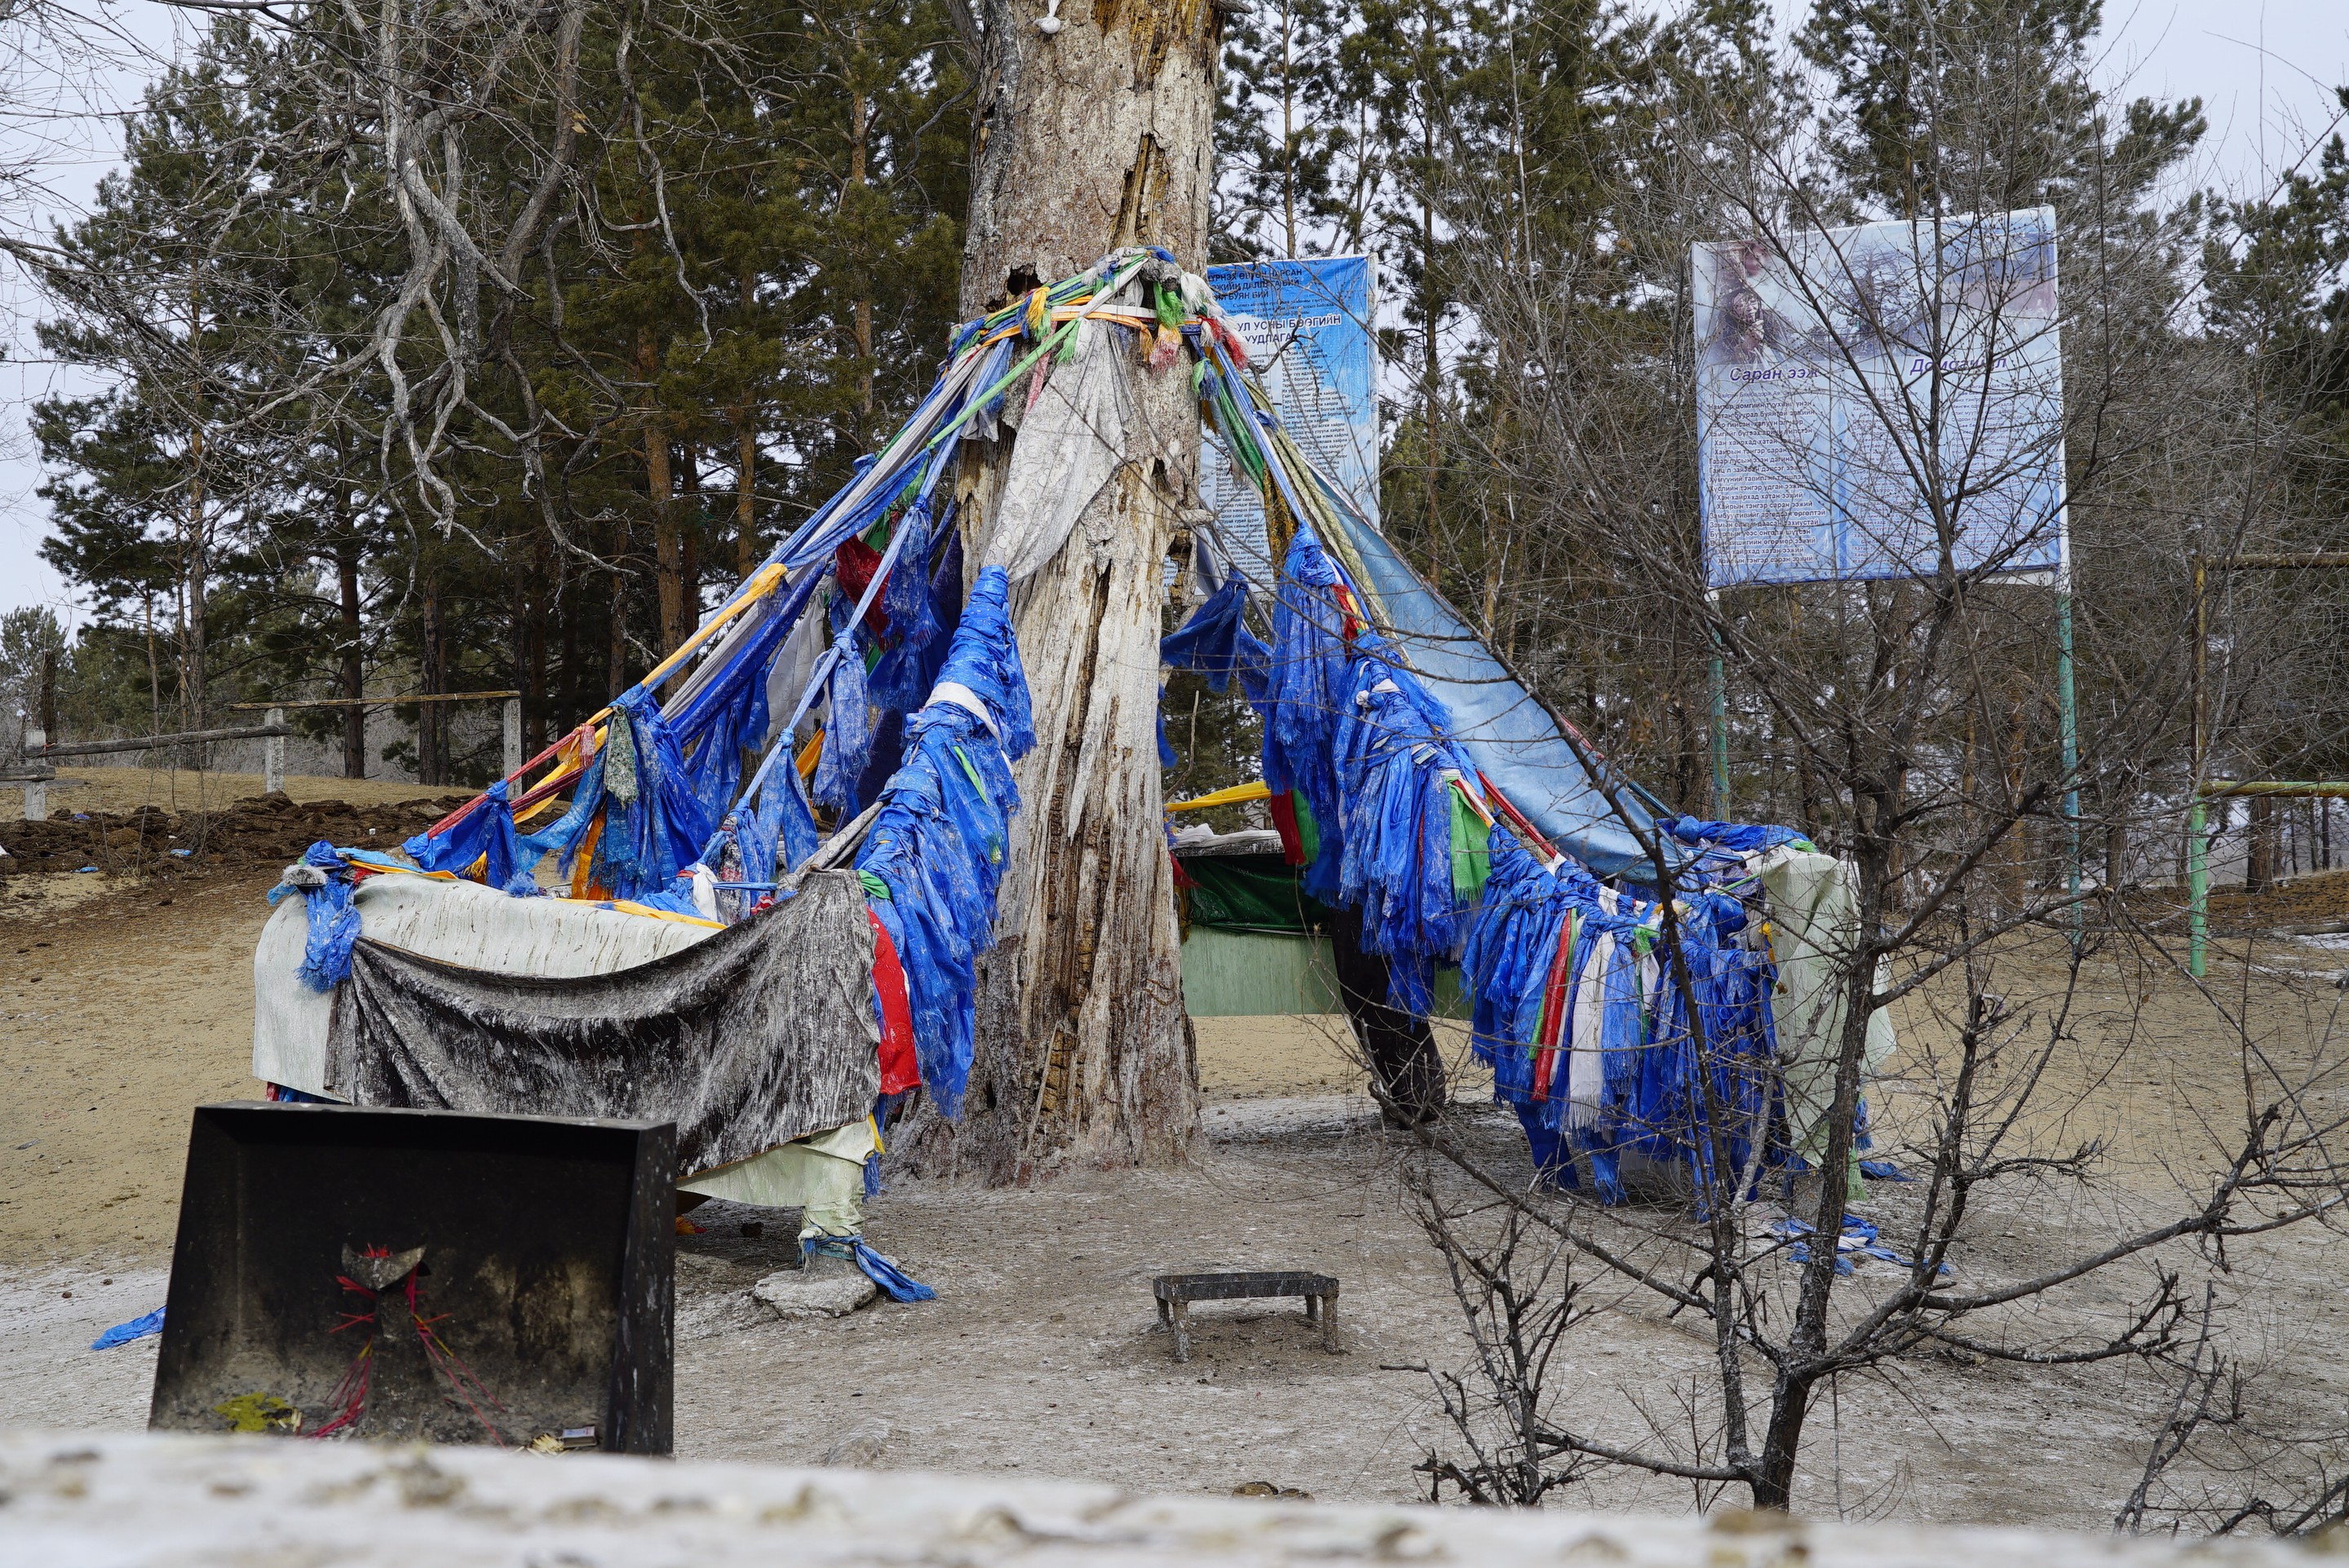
(156, 742)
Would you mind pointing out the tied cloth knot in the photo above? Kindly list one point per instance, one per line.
(324, 881)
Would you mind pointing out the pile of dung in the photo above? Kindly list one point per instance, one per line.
(266, 829)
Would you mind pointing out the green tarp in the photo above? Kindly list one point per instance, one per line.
(1260, 974)
(1256, 974)
(1249, 893)
(1253, 945)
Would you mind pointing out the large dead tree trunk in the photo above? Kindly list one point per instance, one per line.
(1089, 139)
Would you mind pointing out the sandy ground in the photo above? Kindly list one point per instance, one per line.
(118, 1013)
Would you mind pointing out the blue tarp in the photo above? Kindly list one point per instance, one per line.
(1215, 642)
(334, 924)
(937, 846)
(1512, 740)
(124, 1333)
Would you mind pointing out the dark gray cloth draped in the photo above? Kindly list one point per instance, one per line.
(761, 1034)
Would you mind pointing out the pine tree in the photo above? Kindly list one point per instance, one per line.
(733, 304)
(167, 487)
(1913, 129)
(1281, 132)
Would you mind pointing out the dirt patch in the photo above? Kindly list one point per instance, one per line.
(2314, 903)
(1244, 1058)
(120, 1013)
(116, 1017)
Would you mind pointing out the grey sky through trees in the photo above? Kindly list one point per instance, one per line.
(2265, 71)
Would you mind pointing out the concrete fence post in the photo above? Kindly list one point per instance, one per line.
(513, 735)
(37, 796)
(272, 753)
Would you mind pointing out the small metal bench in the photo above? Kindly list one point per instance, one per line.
(1175, 1293)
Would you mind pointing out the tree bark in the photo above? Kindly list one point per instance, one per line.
(354, 668)
(2261, 842)
(660, 494)
(746, 497)
(431, 717)
(685, 518)
(1088, 141)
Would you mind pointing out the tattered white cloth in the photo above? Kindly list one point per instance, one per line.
(1068, 445)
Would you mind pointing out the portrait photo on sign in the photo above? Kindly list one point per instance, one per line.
(1879, 400)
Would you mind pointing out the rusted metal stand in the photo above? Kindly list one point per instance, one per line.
(1175, 1293)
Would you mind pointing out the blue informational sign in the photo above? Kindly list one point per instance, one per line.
(1871, 399)
(1308, 326)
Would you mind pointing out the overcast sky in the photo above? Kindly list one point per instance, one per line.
(2265, 70)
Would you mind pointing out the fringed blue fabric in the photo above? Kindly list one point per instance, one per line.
(334, 924)
(739, 721)
(1215, 642)
(937, 846)
(938, 843)
(485, 831)
(653, 827)
(912, 619)
(727, 713)
(1351, 730)
(1305, 695)
(1742, 837)
(758, 824)
(906, 596)
(1656, 1073)
(1394, 814)
(562, 837)
(885, 1273)
(985, 659)
(847, 731)
(1727, 1003)
(728, 710)
(1508, 956)
(721, 689)
(946, 606)
(781, 831)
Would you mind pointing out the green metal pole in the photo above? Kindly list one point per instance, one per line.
(2198, 892)
(2198, 872)
(2068, 717)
